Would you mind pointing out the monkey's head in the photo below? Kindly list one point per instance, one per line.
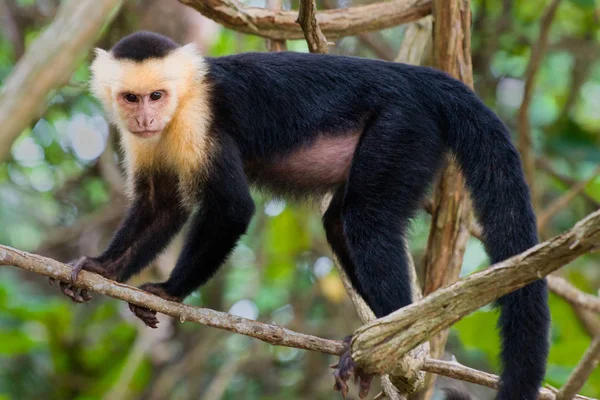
(142, 80)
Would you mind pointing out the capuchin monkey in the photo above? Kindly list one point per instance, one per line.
(198, 132)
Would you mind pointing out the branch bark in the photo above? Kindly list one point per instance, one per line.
(317, 43)
(336, 23)
(525, 142)
(48, 63)
(376, 346)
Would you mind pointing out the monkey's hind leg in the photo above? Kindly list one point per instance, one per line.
(392, 167)
(346, 367)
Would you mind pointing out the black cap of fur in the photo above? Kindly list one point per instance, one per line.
(143, 45)
(454, 394)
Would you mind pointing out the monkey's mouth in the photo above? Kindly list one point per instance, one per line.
(146, 134)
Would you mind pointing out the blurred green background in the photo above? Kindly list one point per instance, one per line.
(61, 195)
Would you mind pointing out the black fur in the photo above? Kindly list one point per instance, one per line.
(454, 394)
(140, 46)
(268, 105)
(149, 225)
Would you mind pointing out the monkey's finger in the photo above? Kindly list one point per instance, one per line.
(51, 281)
(66, 289)
(77, 298)
(146, 315)
(85, 295)
(365, 385)
(341, 386)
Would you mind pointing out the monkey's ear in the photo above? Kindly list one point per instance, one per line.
(191, 49)
(101, 54)
(104, 70)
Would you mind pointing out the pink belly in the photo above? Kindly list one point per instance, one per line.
(325, 164)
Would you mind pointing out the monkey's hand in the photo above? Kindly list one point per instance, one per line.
(345, 368)
(88, 264)
(145, 314)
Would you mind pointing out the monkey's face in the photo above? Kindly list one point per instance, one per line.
(144, 114)
(142, 97)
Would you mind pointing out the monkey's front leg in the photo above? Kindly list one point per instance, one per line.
(226, 211)
(144, 232)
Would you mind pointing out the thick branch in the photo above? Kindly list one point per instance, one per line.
(268, 333)
(588, 363)
(336, 23)
(48, 63)
(525, 142)
(317, 43)
(379, 344)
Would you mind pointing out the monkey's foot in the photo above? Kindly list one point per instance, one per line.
(145, 314)
(345, 368)
(84, 263)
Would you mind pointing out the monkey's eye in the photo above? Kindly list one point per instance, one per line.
(130, 98)
(155, 96)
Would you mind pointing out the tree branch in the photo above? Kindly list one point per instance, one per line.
(525, 142)
(558, 204)
(317, 43)
(544, 163)
(336, 23)
(452, 369)
(570, 293)
(275, 45)
(377, 346)
(48, 63)
(272, 334)
(590, 360)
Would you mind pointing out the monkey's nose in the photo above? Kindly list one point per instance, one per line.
(145, 122)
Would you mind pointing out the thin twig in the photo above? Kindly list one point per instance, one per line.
(558, 204)
(452, 369)
(317, 43)
(544, 164)
(537, 54)
(582, 372)
(570, 293)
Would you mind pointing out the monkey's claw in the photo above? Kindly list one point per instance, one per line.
(345, 368)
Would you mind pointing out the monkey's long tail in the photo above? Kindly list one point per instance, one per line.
(502, 203)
